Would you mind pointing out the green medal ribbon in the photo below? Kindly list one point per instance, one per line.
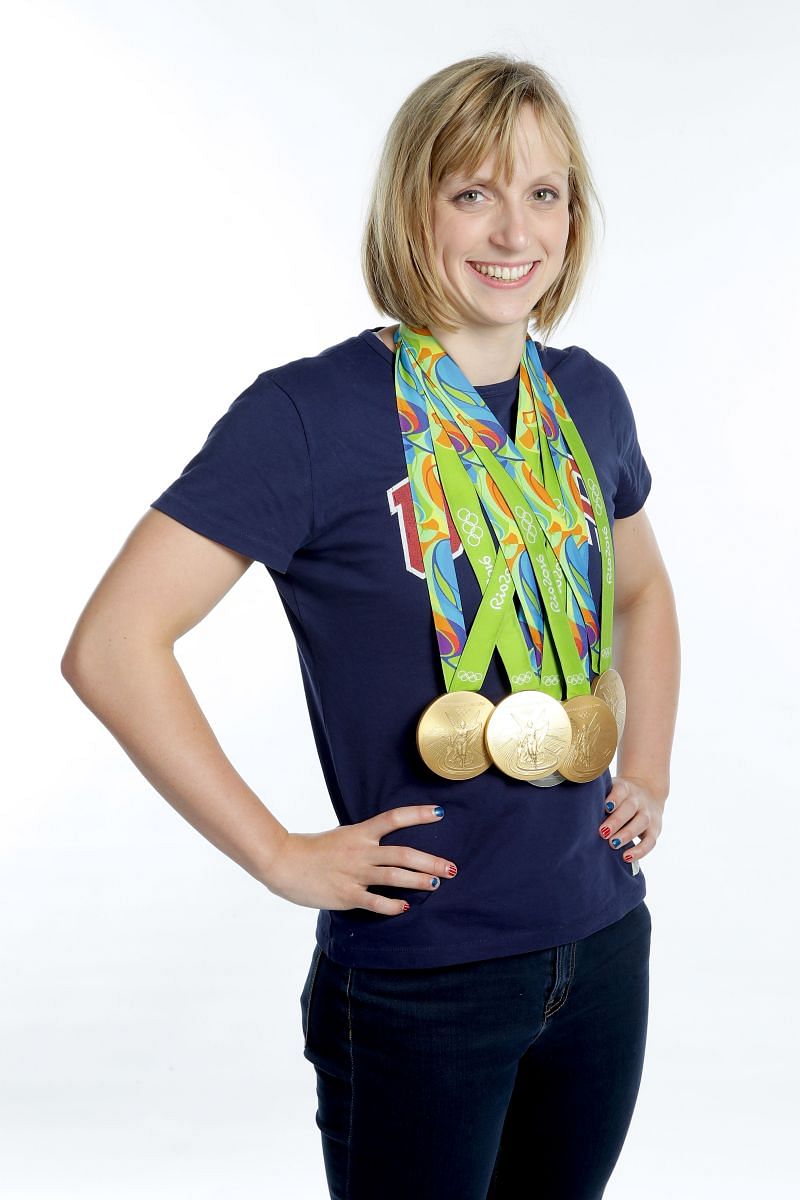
(506, 631)
(544, 663)
(465, 660)
(471, 450)
(558, 430)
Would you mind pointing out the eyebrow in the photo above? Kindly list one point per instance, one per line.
(562, 175)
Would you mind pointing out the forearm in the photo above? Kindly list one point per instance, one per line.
(647, 656)
(143, 698)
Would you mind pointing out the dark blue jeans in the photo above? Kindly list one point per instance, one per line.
(503, 1079)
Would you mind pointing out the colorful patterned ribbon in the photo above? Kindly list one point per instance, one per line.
(530, 492)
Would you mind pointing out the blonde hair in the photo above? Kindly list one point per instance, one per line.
(450, 123)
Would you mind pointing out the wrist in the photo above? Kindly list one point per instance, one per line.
(273, 853)
(656, 785)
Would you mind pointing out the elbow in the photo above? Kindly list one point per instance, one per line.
(83, 662)
(66, 666)
(73, 666)
(69, 659)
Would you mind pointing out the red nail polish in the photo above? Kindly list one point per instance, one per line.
(406, 906)
(605, 831)
(628, 857)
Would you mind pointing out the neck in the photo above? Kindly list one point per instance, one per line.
(486, 354)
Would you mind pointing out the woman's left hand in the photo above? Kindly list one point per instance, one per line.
(638, 812)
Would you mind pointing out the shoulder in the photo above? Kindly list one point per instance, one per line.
(291, 391)
(585, 376)
(302, 377)
(578, 362)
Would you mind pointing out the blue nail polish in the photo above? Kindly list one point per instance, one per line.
(434, 882)
(609, 805)
(615, 842)
(438, 811)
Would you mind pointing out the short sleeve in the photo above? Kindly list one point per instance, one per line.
(249, 485)
(633, 476)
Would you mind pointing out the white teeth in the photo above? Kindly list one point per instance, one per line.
(497, 272)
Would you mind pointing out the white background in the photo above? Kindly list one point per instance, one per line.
(184, 186)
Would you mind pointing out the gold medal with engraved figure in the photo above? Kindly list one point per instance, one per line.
(528, 734)
(594, 738)
(609, 687)
(450, 735)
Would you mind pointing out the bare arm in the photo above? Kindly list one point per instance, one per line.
(646, 654)
(120, 661)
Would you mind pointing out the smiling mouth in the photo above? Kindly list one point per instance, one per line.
(500, 273)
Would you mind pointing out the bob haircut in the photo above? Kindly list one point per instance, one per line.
(450, 123)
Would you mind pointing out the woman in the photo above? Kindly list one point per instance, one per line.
(476, 1002)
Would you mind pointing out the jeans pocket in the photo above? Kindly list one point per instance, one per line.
(307, 993)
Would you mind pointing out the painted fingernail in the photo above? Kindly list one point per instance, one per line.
(605, 831)
(615, 842)
(406, 906)
(628, 857)
(434, 882)
(451, 869)
(609, 805)
(438, 811)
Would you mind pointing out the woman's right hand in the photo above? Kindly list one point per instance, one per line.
(334, 869)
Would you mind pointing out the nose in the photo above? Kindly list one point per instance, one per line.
(512, 228)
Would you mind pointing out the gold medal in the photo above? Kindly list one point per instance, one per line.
(594, 738)
(528, 735)
(450, 734)
(609, 687)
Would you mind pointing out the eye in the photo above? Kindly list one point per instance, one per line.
(469, 192)
(476, 192)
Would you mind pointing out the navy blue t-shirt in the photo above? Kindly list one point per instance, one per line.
(306, 473)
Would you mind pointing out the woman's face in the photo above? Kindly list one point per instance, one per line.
(528, 221)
